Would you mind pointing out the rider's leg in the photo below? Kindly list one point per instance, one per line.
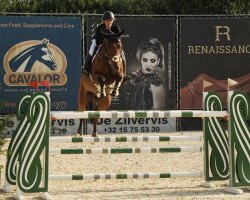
(126, 78)
(89, 57)
(87, 63)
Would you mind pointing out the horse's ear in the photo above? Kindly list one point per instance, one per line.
(45, 41)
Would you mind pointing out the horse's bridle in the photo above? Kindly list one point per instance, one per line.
(112, 60)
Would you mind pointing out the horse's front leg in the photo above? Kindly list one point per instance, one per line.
(101, 88)
(118, 81)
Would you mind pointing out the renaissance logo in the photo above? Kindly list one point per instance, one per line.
(222, 34)
(35, 60)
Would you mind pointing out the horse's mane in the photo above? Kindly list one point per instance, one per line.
(112, 37)
(108, 39)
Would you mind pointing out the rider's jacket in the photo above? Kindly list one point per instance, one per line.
(101, 31)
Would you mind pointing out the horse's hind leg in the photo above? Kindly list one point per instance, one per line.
(82, 127)
(83, 100)
(79, 130)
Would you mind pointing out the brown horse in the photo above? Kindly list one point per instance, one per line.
(105, 80)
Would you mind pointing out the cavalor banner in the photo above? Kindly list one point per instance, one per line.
(40, 53)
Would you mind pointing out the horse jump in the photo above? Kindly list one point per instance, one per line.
(125, 139)
(209, 123)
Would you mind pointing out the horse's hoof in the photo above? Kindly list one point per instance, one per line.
(94, 135)
(79, 132)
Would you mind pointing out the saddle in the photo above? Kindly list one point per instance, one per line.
(191, 95)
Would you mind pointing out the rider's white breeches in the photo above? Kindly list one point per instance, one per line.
(92, 47)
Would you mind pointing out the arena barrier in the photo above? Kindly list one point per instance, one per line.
(29, 172)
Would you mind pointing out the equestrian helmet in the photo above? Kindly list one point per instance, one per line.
(108, 15)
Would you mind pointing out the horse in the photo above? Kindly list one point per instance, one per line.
(24, 61)
(105, 80)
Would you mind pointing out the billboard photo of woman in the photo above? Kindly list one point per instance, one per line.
(145, 91)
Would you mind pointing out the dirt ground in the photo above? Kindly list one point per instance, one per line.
(143, 189)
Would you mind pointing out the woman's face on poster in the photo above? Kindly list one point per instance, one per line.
(149, 62)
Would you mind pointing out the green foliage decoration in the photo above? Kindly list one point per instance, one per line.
(129, 7)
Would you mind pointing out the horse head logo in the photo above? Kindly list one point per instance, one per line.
(25, 60)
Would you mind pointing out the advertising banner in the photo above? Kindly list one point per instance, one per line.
(40, 53)
(62, 127)
(213, 49)
(59, 127)
(149, 46)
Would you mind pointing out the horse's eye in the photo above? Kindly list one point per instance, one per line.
(46, 51)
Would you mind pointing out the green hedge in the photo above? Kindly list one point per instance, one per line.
(148, 7)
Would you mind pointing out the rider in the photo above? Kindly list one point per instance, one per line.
(107, 27)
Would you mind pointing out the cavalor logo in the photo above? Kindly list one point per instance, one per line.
(35, 60)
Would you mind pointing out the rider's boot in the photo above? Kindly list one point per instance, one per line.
(87, 64)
